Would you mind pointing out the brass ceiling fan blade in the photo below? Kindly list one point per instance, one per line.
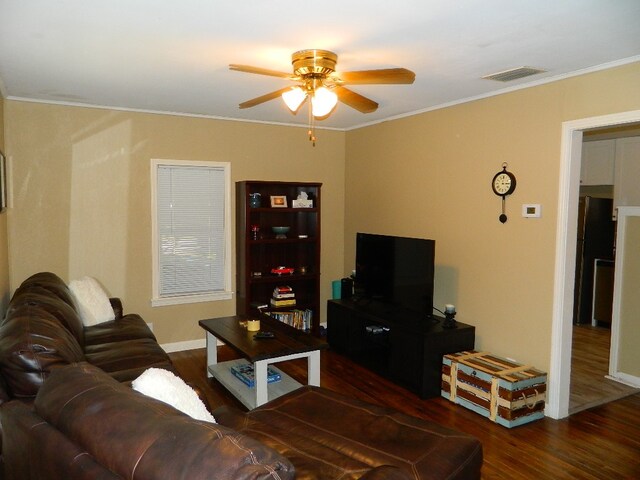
(264, 98)
(355, 100)
(260, 71)
(382, 76)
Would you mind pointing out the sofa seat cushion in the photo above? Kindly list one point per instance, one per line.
(136, 436)
(130, 326)
(311, 458)
(127, 359)
(320, 430)
(32, 344)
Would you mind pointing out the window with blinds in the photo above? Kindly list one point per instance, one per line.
(191, 231)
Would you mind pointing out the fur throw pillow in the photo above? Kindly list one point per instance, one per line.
(92, 301)
(168, 388)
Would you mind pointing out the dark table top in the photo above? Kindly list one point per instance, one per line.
(287, 340)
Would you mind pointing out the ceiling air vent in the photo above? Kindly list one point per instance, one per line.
(513, 74)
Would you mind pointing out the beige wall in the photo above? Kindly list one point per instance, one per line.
(4, 252)
(425, 176)
(82, 194)
(430, 175)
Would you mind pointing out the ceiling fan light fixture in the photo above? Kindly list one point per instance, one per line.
(312, 70)
(293, 98)
(323, 101)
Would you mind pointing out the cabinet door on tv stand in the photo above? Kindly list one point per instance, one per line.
(435, 347)
(406, 363)
(338, 319)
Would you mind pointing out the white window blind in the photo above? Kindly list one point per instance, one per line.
(191, 231)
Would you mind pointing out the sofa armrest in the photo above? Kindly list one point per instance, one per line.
(386, 472)
(116, 304)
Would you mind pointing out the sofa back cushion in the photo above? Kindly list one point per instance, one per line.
(42, 299)
(32, 344)
(33, 449)
(136, 436)
(52, 283)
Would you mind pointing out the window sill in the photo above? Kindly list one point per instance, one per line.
(178, 300)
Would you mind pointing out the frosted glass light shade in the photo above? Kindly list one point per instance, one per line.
(293, 98)
(323, 101)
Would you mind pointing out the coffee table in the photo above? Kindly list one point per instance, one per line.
(288, 344)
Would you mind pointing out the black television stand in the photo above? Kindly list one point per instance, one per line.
(400, 345)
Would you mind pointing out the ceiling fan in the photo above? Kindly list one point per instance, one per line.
(314, 71)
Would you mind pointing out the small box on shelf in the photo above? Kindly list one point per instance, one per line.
(302, 203)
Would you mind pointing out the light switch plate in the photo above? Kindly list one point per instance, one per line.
(531, 210)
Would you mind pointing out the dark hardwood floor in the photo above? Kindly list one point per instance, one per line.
(599, 443)
(589, 369)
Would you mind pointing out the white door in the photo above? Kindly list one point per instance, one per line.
(627, 173)
(624, 362)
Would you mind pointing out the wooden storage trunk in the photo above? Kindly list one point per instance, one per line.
(506, 392)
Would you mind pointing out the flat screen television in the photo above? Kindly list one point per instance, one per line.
(395, 270)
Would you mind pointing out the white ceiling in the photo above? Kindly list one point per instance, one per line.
(173, 55)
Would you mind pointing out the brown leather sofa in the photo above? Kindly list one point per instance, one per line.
(66, 412)
(42, 330)
(85, 425)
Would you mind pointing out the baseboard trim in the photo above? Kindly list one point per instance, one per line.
(182, 346)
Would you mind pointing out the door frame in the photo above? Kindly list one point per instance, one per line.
(565, 259)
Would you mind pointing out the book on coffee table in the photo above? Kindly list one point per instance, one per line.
(245, 373)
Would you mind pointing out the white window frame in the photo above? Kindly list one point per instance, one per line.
(157, 300)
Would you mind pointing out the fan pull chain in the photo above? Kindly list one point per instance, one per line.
(312, 127)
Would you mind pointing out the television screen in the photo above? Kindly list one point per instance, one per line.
(396, 270)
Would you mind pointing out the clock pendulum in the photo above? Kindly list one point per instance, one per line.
(503, 184)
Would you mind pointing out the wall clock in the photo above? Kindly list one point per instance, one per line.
(503, 184)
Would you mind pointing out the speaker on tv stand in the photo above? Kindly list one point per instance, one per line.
(347, 288)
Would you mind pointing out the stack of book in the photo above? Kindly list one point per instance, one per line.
(283, 296)
(244, 372)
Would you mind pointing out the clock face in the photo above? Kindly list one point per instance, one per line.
(503, 183)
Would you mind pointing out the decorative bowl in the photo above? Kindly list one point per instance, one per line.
(281, 232)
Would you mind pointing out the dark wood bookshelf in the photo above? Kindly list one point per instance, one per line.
(257, 253)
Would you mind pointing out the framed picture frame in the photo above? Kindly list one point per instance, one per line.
(3, 182)
(278, 201)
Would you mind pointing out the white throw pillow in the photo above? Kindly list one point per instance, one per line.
(163, 385)
(92, 301)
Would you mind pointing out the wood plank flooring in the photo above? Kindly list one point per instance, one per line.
(599, 443)
(589, 367)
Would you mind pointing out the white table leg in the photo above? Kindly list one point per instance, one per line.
(261, 386)
(212, 352)
(313, 368)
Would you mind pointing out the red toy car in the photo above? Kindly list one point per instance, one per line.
(283, 270)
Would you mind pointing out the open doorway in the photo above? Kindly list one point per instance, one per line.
(569, 190)
(595, 268)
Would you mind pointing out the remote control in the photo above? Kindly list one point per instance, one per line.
(261, 335)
